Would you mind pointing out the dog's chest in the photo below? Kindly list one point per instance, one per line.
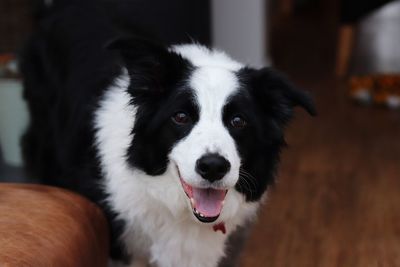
(159, 226)
(169, 243)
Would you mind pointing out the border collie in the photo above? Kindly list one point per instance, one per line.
(176, 144)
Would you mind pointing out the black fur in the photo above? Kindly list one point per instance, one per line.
(266, 101)
(66, 70)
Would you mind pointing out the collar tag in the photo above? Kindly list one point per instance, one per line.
(220, 227)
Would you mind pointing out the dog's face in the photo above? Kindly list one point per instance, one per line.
(217, 124)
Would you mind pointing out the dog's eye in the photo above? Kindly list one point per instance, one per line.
(238, 122)
(181, 118)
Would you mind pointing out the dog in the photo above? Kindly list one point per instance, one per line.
(177, 144)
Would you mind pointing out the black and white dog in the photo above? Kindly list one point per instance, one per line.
(177, 144)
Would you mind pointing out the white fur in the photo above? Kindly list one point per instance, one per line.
(201, 56)
(160, 225)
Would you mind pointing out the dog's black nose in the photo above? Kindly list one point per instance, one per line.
(212, 167)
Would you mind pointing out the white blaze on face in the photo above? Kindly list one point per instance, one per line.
(212, 87)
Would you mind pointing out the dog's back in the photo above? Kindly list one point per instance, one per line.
(65, 69)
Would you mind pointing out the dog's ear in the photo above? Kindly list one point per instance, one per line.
(277, 95)
(150, 65)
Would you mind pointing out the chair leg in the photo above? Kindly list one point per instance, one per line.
(344, 49)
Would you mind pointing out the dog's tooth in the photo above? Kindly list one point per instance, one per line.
(223, 202)
(192, 201)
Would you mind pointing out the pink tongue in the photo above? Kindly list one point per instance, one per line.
(208, 201)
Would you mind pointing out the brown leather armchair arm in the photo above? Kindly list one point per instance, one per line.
(46, 226)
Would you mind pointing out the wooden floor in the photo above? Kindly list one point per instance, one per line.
(337, 200)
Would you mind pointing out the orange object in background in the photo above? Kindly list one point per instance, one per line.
(5, 58)
(8, 66)
(380, 89)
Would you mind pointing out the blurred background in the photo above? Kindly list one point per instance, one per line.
(337, 200)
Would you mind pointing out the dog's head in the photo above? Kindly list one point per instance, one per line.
(218, 125)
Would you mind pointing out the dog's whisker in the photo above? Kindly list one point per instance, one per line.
(246, 185)
(248, 176)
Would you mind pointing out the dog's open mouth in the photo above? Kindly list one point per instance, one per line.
(206, 203)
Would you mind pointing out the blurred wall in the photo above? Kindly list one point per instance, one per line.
(239, 27)
(13, 120)
(377, 48)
